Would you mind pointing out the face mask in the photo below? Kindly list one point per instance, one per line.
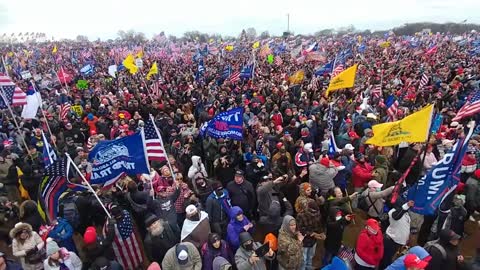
(195, 217)
(249, 247)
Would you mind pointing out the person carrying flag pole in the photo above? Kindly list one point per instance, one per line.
(43, 114)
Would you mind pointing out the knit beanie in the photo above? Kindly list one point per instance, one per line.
(52, 246)
(90, 235)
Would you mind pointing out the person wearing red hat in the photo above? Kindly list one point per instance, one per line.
(98, 245)
(412, 262)
(369, 249)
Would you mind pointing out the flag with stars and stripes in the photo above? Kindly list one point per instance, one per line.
(12, 95)
(64, 110)
(392, 111)
(234, 77)
(154, 142)
(471, 107)
(278, 60)
(423, 81)
(54, 183)
(49, 155)
(377, 90)
(128, 252)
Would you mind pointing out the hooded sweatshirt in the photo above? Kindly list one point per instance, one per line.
(220, 263)
(398, 264)
(235, 227)
(196, 168)
(290, 250)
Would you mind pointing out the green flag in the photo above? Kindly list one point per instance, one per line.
(270, 58)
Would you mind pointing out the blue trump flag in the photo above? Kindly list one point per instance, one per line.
(228, 124)
(112, 159)
(440, 181)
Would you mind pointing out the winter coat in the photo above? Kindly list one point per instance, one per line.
(308, 223)
(195, 168)
(321, 177)
(170, 262)
(380, 172)
(437, 261)
(375, 201)
(361, 174)
(29, 214)
(62, 234)
(271, 206)
(196, 232)
(290, 249)
(70, 259)
(242, 257)
(218, 207)
(398, 264)
(209, 253)
(19, 249)
(242, 195)
(235, 227)
(335, 229)
(220, 263)
(404, 164)
(370, 247)
(157, 246)
(472, 192)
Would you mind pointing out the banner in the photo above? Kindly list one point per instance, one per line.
(228, 124)
(346, 79)
(440, 181)
(111, 159)
(413, 128)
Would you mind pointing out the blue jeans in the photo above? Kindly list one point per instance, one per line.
(308, 254)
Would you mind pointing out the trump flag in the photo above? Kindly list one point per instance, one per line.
(112, 159)
(228, 124)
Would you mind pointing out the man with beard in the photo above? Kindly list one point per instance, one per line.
(196, 227)
(74, 133)
(160, 238)
(245, 257)
(242, 194)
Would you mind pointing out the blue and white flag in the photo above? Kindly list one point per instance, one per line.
(87, 70)
(34, 101)
(49, 155)
(332, 145)
(326, 69)
(111, 159)
(440, 181)
(228, 124)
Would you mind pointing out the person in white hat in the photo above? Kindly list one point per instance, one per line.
(196, 226)
(182, 256)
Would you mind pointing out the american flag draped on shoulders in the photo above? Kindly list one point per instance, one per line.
(128, 252)
(471, 107)
(153, 141)
(12, 94)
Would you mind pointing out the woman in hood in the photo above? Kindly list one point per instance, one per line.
(215, 247)
(60, 258)
(220, 263)
(421, 253)
(27, 245)
(29, 214)
(238, 223)
(290, 248)
(197, 169)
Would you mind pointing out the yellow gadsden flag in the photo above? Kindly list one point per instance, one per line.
(54, 50)
(413, 128)
(297, 77)
(256, 45)
(153, 70)
(345, 79)
(129, 63)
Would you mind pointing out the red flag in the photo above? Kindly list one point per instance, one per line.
(64, 77)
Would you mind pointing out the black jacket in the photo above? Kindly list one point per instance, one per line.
(243, 196)
(438, 262)
(157, 246)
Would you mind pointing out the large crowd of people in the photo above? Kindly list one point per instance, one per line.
(274, 200)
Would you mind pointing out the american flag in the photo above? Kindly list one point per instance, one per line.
(156, 88)
(125, 243)
(153, 141)
(234, 77)
(12, 94)
(471, 107)
(337, 70)
(64, 110)
(377, 91)
(423, 81)
(392, 110)
(278, 60)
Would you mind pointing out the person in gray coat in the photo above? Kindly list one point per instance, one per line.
(375, 198)
(245, 257)
(321, 175)
(272, 205)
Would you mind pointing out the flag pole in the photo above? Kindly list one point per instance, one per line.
(142, 133)
(161, 141)
(88, 184)
(43, 114)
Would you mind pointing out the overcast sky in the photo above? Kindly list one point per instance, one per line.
(103, 18)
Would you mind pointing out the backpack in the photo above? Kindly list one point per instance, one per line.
(431, 244)
(364, 202)
(69, 210)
